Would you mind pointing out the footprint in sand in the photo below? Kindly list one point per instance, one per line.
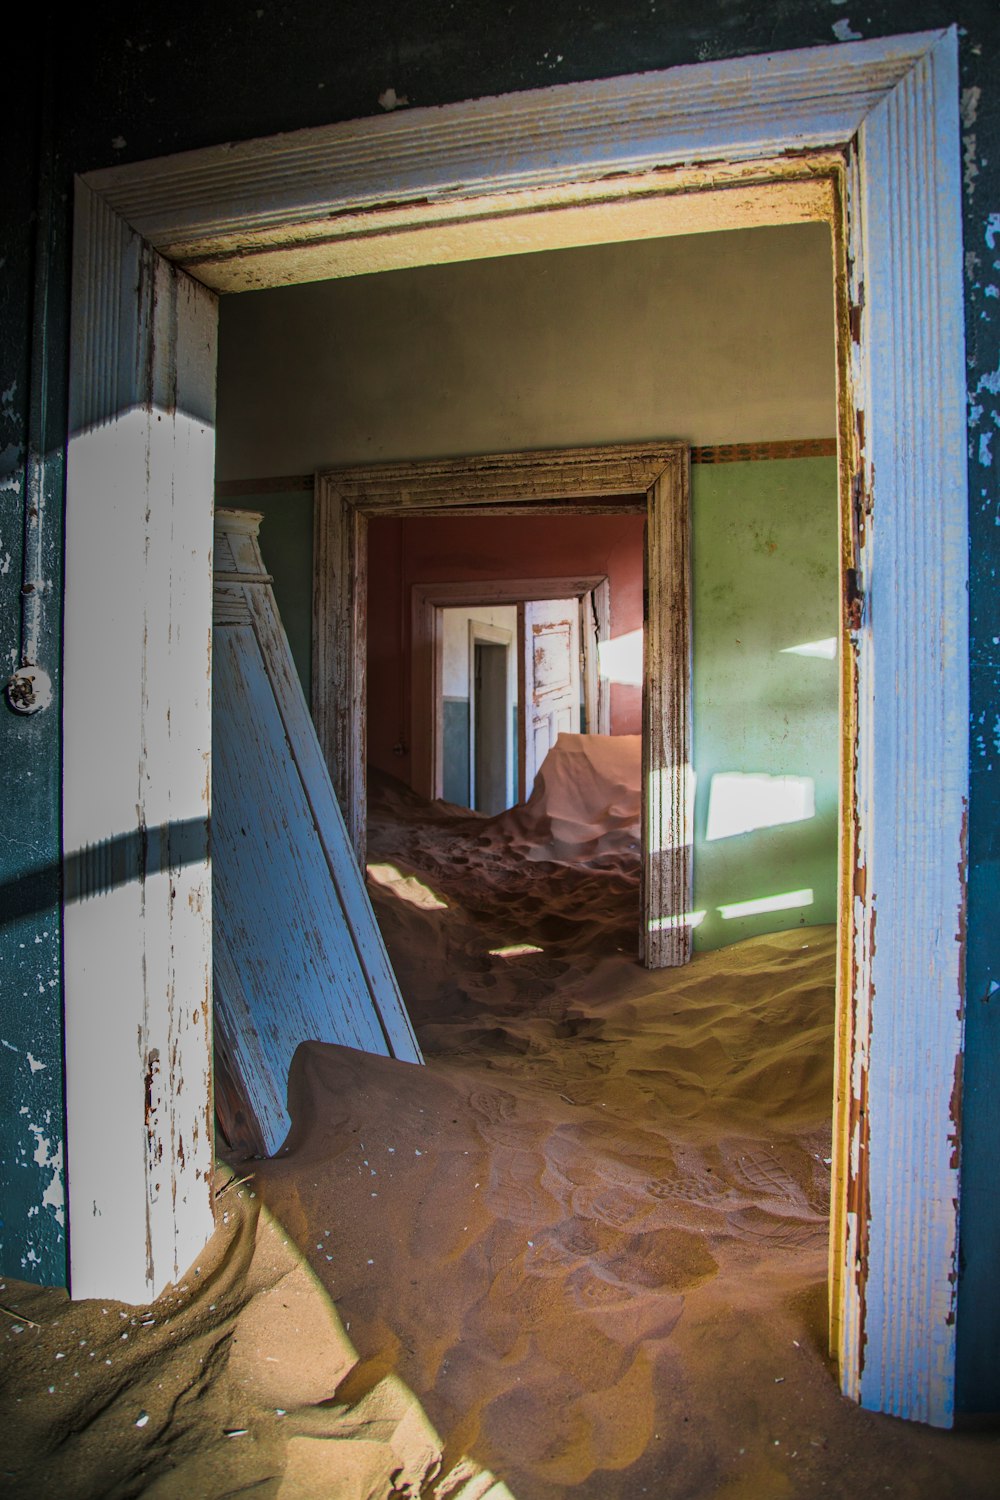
(756, 1225)
(762, 1171)
(619, 1208)
(694, 1189)
(675, 1260)
(596, 1291)
(515, 1191)
(492, 1105)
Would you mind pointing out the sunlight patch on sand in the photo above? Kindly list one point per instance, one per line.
(406, 887)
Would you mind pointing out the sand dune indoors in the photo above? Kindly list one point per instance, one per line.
(581, 1253)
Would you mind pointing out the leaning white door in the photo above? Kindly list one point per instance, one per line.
(552, 678)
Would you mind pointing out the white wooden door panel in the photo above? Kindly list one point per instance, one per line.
(552, 678)
(298, 955)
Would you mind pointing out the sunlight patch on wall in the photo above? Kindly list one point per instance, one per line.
(406, 887)
(785, 902)
(620, 659)
(827, 649)
(741, 801)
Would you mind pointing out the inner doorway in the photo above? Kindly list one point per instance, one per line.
(649, 478)
(491, 761)
(512, 677)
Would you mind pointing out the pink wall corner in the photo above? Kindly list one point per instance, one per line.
(442, 549)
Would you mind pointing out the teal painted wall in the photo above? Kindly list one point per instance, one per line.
(455, 747)
(765, 578)
(33, 249)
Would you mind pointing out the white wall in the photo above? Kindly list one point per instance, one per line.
(455, 666)
(713, 338)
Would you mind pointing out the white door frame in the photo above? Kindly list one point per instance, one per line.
(426, 602)
(576, 164)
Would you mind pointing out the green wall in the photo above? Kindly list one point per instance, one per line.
(765, 578)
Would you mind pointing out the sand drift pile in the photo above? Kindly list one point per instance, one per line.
(581, 1253)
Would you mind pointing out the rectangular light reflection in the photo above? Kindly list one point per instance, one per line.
(785, 902)
(826, 649)
(741, 801)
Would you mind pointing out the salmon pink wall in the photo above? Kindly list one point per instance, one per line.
(441, 549)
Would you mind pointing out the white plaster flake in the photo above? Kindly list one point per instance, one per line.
(970, 166)
(34, 1064)
(53, 1197)
(992, 231)
(969, 105)
(844, 32)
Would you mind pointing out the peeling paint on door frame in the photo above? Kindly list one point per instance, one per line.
(717, 145)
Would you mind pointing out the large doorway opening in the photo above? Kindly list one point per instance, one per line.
(608, 170)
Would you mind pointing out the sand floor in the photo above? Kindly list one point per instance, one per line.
(582, 1252)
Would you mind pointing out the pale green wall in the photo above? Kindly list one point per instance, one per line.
(765, 577)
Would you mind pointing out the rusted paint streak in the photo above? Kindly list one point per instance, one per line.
(955, 1114)
(855, 310)
(963, 878)
(955, 1102)
(853, 599)
(860, 882)
(858, 1161)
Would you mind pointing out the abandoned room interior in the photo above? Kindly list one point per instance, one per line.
(527, 1102)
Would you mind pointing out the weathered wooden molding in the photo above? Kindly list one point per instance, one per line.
(751, 140)
(765, 451)
(300, 206)
(340, 605)
(137, 748)
(655, 472)
(908, 625)
(667, 773)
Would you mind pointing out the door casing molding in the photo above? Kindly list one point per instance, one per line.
(865, 135)
(610, 478)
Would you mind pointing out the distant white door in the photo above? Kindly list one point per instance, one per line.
(551, 679)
